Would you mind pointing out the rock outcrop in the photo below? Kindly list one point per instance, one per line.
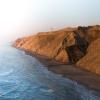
(66, 45)
(59, 45)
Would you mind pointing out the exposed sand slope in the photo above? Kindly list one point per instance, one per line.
(91, 61)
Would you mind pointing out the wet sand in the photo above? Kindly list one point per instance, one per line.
(83, 77)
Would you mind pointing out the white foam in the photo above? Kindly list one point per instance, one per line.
(6, 72)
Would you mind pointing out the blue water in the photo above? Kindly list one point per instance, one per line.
(22, 77)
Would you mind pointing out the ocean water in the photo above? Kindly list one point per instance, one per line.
(23, 77)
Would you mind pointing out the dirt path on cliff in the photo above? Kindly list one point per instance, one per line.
(83, 77)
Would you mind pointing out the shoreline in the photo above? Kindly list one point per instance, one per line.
(82, 77)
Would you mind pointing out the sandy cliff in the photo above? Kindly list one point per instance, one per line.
(75, 45)
(91, 61)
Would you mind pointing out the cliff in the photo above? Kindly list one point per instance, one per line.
(69, 45)
(91, 61)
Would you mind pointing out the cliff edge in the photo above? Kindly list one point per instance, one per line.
(70, 45)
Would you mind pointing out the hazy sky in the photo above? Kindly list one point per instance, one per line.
(21, 17)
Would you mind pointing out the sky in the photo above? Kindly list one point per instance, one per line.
(25, 17)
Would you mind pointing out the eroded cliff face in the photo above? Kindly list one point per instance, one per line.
(91, 61)
(54, 45)
(46, 44)
(66, 45)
